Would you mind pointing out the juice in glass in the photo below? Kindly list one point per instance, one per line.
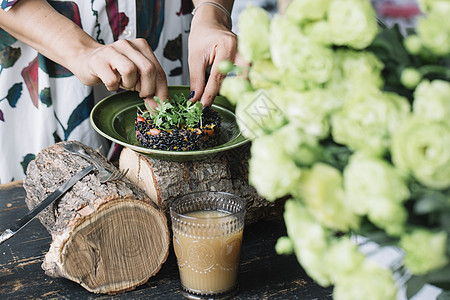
(207, 239)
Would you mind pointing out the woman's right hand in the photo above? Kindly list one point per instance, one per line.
(125, 64)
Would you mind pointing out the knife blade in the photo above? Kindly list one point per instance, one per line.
(44, 204)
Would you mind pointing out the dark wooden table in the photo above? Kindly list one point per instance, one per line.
(263, 274)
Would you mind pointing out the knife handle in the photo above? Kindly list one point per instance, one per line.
(6, 235)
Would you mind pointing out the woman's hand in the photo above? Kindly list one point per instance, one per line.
(123, 64)
(126, 64)
(210, 42)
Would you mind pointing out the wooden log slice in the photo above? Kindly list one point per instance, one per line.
(164, 180)
(108, 237)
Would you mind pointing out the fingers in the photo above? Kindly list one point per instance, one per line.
(110, 67)
(213, 86)
(153, 80)
(162, 90)
(240, 61)
(208, 46)
(198, 63)
(197, 69)
(105, 74)
(227, 52)
(130, 65)
(150, 103)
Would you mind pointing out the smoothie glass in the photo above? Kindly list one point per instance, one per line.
(207, 236)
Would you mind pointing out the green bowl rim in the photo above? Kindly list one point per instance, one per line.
(241, 140)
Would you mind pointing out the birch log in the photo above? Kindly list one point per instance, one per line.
(164, 180)
(108, 237)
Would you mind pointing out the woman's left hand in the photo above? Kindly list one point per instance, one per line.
(210, 42)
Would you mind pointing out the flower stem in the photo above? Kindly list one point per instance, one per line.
(433, 69)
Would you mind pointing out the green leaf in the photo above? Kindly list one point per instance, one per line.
(176, 112)
(414, 284)
(445, 295)
(440, 276)
(433, 201)
(390, 42)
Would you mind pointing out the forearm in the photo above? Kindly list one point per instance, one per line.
(128, 64)
(37, 24)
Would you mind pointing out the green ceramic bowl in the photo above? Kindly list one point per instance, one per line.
(113, 118)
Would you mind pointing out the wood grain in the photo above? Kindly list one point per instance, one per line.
(163, 180)
(263, 274)
(106, 236)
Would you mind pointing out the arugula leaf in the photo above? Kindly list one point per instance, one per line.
(176, 112)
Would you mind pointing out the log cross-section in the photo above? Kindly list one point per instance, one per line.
(108, 237)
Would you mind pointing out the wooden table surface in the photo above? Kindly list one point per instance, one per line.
(262, 275)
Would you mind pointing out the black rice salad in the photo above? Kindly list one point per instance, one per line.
(178, 125)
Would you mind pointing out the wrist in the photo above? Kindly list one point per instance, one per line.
(217, 12)
(76, 51)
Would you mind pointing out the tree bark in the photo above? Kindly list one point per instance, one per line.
(164, 180)
(108, 237)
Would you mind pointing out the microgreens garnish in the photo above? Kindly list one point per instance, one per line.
(176, 112)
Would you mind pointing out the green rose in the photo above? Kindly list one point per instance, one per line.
(295, 81)
(292, 50)
(371, 180)
(258, 113)
(315, 63)
(432, 100)
(310, 239)
(389, 216)
(352, 23)
(369, 282)
(310, 110)
(358, 70)
(343, 258)
(413, 44)
(284, 246)
(318, 32)
(264, 74)
(367, 120)
(355, 72)
(421, 147)
(233, 88)
(321, 188)
(434, 32)
(285, 40)
(410, 77)
(428, 6)
(253, 29)
(271, 171)
(377, 189)
(303, 11)
(424, 250)
(301, 147)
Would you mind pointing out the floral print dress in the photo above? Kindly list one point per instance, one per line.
(42, 103)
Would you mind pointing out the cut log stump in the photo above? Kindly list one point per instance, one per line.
(164, 180)
(108, 237)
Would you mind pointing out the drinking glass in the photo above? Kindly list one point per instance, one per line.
(207, 236)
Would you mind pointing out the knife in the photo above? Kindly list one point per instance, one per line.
(44, 204)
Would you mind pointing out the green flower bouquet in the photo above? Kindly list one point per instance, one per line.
(350, 121)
